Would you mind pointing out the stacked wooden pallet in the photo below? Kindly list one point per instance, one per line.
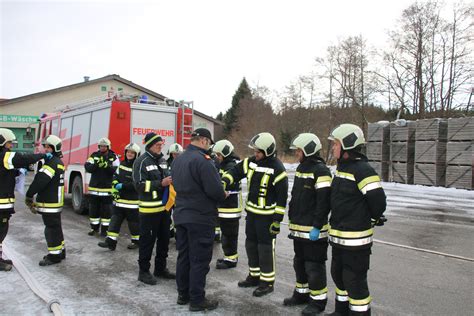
(430, 152)
(377, 148)
(402, 147)
(460, 153)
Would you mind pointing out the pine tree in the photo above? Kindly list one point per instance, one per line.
(230, 117)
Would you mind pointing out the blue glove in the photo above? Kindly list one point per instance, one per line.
(48, 156)
(314, 234)
(119, 186)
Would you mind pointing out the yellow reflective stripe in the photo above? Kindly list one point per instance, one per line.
(280, 177)
(279, 210)
(48, 170)
(319, 292)
(233, 257)
(152, 139)
(345, 175)
(133, 202)
(100, 189)
(229, 210)
(46, 205)
(304, 175)
(301, 285)
(147, 185)
(324, 179)
(364, 301)
(350, 234)
(259, 211)
(112, 234)
(228, 176)
(323, 182)
(90, 160)
(7, 200)
(306, 228)
(60, 247)
(151, 209)
(125, 168)
(135, 237)
(368, 180)
(246, 165)
(151, 204)
(341, 292)
(8, 160)
(60, 167)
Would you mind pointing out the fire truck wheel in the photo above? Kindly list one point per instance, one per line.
(79, 201)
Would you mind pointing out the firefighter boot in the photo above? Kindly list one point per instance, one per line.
(296, 299)
(264, 288)
(50, 260)
(93, 232)
(147, 278)
(205, 305)
(183, 299)
(312, 309)
(108, 243)
(103, 230)
(133, 245)
(6, 261)
(250, 281)
(342, 309)
(225, 264)
(5, 266)
(63, 254)
(165, 274)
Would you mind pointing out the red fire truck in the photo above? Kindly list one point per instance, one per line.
(123, 119)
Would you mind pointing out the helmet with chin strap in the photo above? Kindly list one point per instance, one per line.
(264, 142)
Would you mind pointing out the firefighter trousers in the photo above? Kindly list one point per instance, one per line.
(4, 224)
(154, 229)
(53, 233)
(100, 209)
(310, 268)
(194, 243)
(260, 247)
(230, 236)
(119, 214)
(349, 273)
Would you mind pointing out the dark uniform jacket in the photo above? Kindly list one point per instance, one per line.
(8, 162)
(127, 197)
(102, 168)
(49, 185)
(198, 188)
(310, 199)
(357, 200)
(229, 208)
(148, 172)
(267, 182)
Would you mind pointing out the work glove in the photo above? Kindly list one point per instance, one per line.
(118, 186)
(275, 228)
(378, 222)
(314, 234)
(30, 204)
(48, 156)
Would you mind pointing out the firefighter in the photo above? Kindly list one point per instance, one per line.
(9, 162)
(266, 201)
(154, 221)
(357, 204)
(174, 151)
(48, 186)
(125, 201)
(102, 165)
(308, 216)
(199, 189)
(229, 209)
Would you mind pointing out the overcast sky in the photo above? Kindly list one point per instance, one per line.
(183, 49)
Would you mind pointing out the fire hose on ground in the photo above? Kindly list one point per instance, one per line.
(53, 304)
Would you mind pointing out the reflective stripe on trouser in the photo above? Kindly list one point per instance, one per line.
(349, 272)
(53, 233)
(118, 216)
(100, 208)
(260, 245)
(310, 268)
(230, 236)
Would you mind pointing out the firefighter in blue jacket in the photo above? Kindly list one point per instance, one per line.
(357, 204)
(308, 217)
(229, 210)
(9, 162)
(48, 186)
(266, 201)
(125, 201)
(101, 164)
(198, 190)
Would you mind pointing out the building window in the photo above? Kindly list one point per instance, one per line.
(28, 137)
(103, 88)
(120, 89)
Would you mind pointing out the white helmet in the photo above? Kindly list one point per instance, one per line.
(53, 141)
(307, 142)
(6, 136)
(264, 142)
(223, 147)
(349, 135)
(104, 142)
(175, 149)
(133, 147)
